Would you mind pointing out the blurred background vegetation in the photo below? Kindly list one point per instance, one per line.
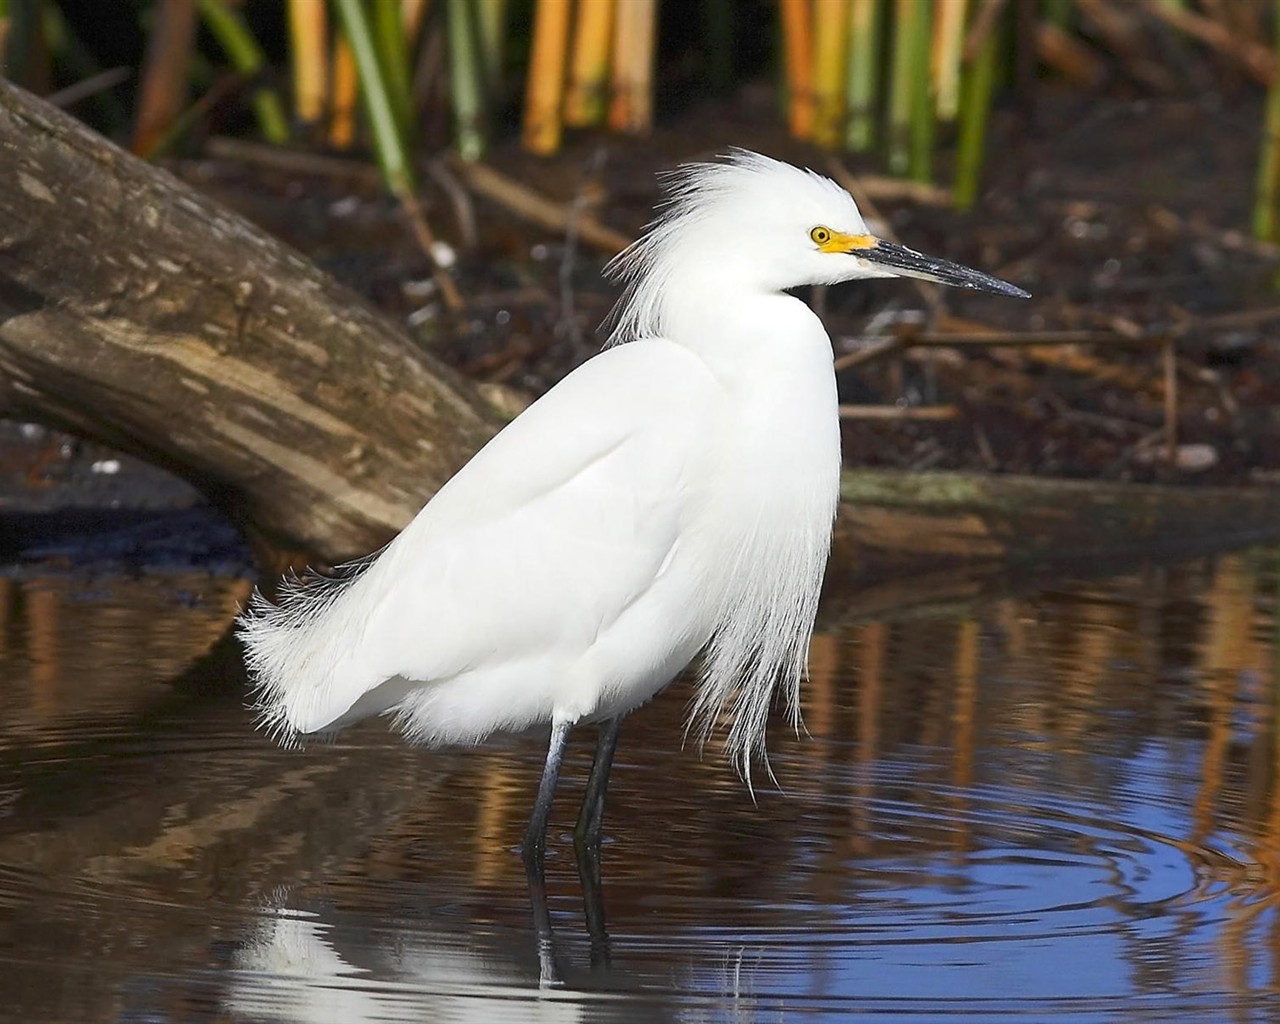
(907, 83)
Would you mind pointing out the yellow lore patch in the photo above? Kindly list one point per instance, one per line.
(837, 241)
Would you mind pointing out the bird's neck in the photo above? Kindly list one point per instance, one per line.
(748, 337)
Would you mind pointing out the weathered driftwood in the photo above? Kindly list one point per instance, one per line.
(926, 520)
(137, 312)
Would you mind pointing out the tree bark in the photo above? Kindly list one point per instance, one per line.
(136, 312)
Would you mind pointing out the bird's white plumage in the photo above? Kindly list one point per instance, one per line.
(500, 590)
(671, 495)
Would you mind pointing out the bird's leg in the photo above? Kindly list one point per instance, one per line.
(586, 835)
(535, 836)
(586, 840)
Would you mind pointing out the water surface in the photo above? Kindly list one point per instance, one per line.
(1056, 802)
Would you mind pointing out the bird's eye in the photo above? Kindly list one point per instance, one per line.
(820, 235)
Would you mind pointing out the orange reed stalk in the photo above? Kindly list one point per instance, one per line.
(545, 86)
(797, 43)
(164, 72)
(308, 43)
(342, 123)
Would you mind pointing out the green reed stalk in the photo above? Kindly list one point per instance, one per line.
(902, 85)
(468, 78)
(975, 104)
(388, 143)
(922, 116)
(491, 18)
(393, 58)
(863, 74)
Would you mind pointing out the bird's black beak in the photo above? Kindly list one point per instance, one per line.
(904, 262)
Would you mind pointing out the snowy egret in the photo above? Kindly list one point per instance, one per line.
(672, 495)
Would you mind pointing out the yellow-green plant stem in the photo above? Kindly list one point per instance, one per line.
(975, 104)
(830, 43)
(393, 58)
(863, 78)
(246, 57)
(1266, 217)
(921, 135)
(467, 79)
(902, 87)
(491, 18)
(388, 143)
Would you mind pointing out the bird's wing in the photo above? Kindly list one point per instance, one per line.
(554, 528)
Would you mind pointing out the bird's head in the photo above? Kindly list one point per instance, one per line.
(757, 223)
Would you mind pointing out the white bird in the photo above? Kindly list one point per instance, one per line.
(673, 495)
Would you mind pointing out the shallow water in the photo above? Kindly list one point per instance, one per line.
(1057, 802)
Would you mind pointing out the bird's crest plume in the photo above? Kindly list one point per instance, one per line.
(698, 194)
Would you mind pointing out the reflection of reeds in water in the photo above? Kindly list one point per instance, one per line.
(1082, 655)
(67, 656)
(966, 701)
(43, 653)
(1224, 656)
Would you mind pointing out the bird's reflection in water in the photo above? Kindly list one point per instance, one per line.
(305, 962)
(588, 863)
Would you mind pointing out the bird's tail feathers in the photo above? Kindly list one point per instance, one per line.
(298, 650)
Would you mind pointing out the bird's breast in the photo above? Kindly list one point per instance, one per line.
(777, 474)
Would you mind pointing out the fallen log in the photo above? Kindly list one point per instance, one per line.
(903, 523)
(136, 312)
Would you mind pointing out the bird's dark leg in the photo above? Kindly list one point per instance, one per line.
(586, 840)
(535, 836)
(535, 842)
(586, 836)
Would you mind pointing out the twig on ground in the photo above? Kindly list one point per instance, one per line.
(427, 243)
(293, 161)
(524, 202)
(464, 213)
(900, 412)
